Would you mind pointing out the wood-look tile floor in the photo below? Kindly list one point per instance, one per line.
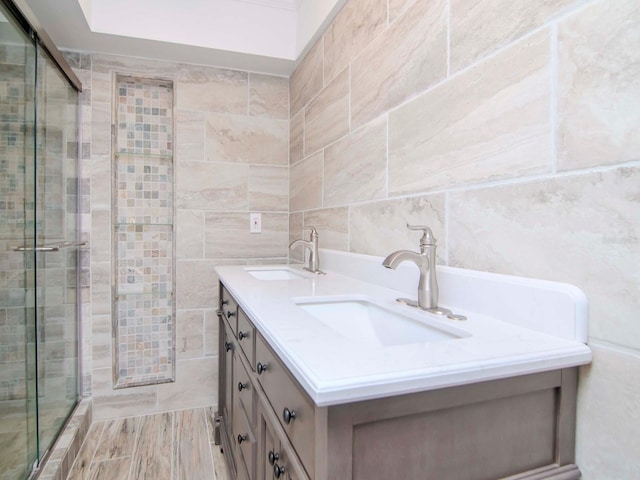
(165, 446)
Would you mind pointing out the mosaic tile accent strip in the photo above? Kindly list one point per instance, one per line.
(143, 206)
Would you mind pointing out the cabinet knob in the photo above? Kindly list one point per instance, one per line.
(242, 335)
(278, 470)
(225, 302)
(288, 415)
(241, 438)
(261, 368)
(273, 457)
(242, 386)
(219, 313)
(230, 314)
(228, 346)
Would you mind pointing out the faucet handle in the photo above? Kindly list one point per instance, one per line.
(427, 234)
(314, 232)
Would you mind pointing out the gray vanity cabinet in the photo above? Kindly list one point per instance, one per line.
(520, 428)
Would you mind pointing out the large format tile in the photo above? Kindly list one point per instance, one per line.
(488, 123)
(379, 228)
(268, 188)
(599, 91)
(479, 27)
(581, 229)
(243, 139)
(296, 221)
(296, 137)
(212, 185)
(355, 167)
(326, 117)
(609, 415)
(332, 225)
(118, 439)
(305, 183)
(211, 89)
(152, 458)
(189, 334)
(182, 393)
(268, 96)
(408, 57)
(111, 469)
(82, 465)
(191, 290)
(189, 234)
(307, 80)
(192, 454)
(189, 135)
(357, 24)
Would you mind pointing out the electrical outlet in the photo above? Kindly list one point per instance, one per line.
(255, 222)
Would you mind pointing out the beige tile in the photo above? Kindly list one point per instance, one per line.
(196, 283)
(305, 183)
(190, 234)
(488, 123)
(118, 439)
(408, 57)
(326, 117)
(599, 92)
(192, 454)
(152, 458)
(210, 333)
(396, 7)
(118, 468)
(101, 240)
(189, 135)
(380, 228)
(100, 190)
(355, 167)
(482, 26)
(268, 96)
(268, 188)
(212, 185)
(210, 89)
(332, 225)
(100, 288)
(609, 415)
(189, 334)
(102, 62)
(296, 137)
(100, 128)
(227, 236)
(306, 80)
(109, 405)
(580, 229)
(219, 463)
(82, 464)
(196, 385)
(295, 232)
(357, 24)
(242, 139)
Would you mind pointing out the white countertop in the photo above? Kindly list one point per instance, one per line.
(334, 369)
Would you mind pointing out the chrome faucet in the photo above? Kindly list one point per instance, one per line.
(426, 262)
(312, 246)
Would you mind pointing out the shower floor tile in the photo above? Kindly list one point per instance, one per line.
(165, 446)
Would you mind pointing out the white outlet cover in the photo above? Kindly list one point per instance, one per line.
(255, 222)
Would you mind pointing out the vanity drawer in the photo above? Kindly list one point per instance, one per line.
(294, 409)
(246, 337)
(244, 390)
(244, 442)
(229, 308)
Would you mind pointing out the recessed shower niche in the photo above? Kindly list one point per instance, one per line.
(143, 232)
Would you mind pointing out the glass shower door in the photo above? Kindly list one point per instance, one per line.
(18, 414)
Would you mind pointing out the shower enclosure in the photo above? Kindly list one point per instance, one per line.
(38, 245)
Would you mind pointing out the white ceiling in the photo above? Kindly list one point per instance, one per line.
(256, 35)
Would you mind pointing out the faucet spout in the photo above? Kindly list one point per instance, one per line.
(312, 246)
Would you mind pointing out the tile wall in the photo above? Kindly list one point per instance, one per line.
(231, 158)
(513, 129)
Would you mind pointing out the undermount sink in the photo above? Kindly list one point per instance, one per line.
(367, 322)
(283, 273)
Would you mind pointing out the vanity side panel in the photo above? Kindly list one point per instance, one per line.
(480, 441)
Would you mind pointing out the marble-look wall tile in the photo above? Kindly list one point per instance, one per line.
(189, 234)
(191, 290)
(295, 232)
(488, 123)
(209, 185)
(100, 288)
(599, 91)
(305, 183)
(100, 189)
(227, 236)
(609, 415)
(189, 334)
(326, 117)
(396, 7)
(181, 394)
(380, 228)
(268, 188)
(100, 129)
(101, 243)
(268, 96)
(307, 80)
(409, 56)
(332, 225)
(243, 139)
(211, 89)
(581, 229)
(296, 137)
(355, 166)
(482, 26)
(357, 24)
(210, 332)
(190, 135)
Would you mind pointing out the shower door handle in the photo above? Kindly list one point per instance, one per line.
(49, 248)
